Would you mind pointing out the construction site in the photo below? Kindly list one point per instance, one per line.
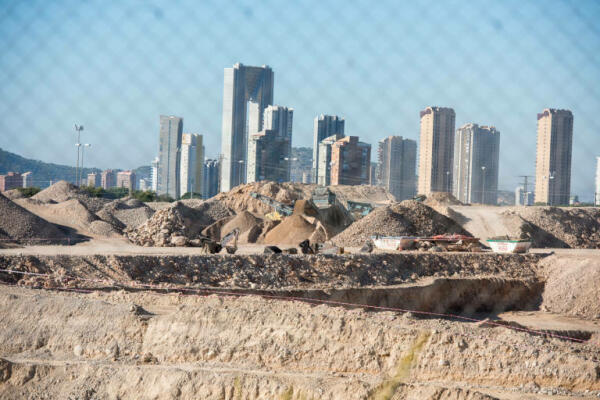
(296, 291)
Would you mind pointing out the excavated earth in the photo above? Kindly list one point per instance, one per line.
(292, 327)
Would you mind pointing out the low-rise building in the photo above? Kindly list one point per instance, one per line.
(11, 180)
(126, 179)
(108, 179)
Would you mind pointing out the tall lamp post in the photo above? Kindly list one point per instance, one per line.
(83, 146)
(78, 129)
(550, 182)
(483, 185)
(448, 181)
(240, 168)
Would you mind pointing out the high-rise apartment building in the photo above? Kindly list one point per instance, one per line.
(27, 179)
(127, 180)
(11, 180)
(210, 179)
(597, 193)
(108, 179)
(350, 162)
(324, 127)
(93, 180)
(169, 156)
(246, 94)
(436, 149)
(154, 174)
(270, 150)
(324, 156)
(553, 159)
(476, 158)
(396, 167)
(192, 163)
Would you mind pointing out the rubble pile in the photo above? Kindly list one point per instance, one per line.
(407, 218)
(19, 224)
(177, 225)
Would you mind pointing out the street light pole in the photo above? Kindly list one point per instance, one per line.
(78, 129)
(483, 185)
(550, 181)
(82, 149)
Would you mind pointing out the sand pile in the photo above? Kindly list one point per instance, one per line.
(252, 229)
(295, 229)
(362, 193)
(63, 191)
(177, 225)
(437, 199)
(577, 227)
(408, 218)
(19, 224)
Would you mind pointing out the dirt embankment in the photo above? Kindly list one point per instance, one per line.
(148, 346)
(276, 271)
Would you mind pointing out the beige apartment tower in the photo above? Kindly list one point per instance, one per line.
(553, 159)
(436, 150)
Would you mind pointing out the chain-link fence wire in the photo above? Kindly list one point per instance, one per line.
(115, 67)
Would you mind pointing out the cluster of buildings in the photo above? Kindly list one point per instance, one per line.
(256, 145)
(13, 180)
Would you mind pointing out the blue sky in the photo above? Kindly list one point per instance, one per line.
(116, 66)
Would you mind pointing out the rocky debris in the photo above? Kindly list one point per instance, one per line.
(19, 224)
(177, 225)
(296, 228)
(103, 228)
(63, 191)
(407, 218)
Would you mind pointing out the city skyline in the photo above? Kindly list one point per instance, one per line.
(563, 74)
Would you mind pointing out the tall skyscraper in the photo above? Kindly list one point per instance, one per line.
(597, 193)
(396, 168)
(192, 163)
(325, 126)
(169, 156)
(476, 157)
(154, 174)
(324, 154)
(553, 160)
(436, 148)
(247, 92)
(350, 162)
(210, 178)
(270, 150)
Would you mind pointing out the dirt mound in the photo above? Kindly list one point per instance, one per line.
(577, 227)
(572, 286)
(408, 218)
(442, 199)
(19, 224)
(239, 198)
(63, 191)
(244, 221)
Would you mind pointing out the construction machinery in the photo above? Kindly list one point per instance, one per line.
(323, 197)
(282, 209)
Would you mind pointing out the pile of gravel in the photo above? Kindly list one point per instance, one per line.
(19, 224)
(408, 218)
(125, 213)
